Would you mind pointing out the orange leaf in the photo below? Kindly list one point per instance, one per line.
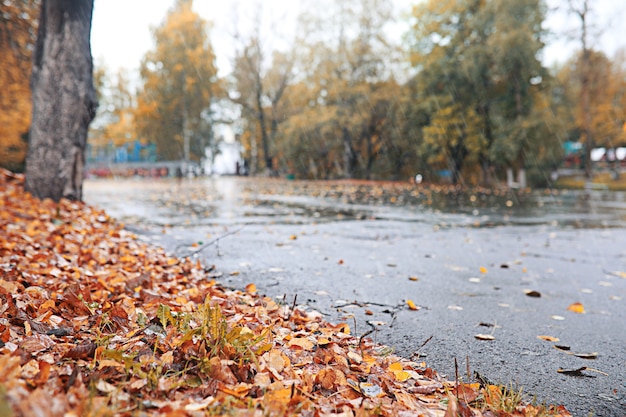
(577, 308)
(251, 289)
(483, 270)
(412, 305)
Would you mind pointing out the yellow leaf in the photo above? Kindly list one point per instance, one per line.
(577, 308)
(401, 376)
(396, 366)
(483, 270)
(398, 372)
(293, 237)
(412, 305)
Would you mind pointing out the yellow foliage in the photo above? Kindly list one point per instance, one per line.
(179, 83)
(17, 36)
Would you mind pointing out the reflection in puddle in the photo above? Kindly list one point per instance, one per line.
(233, 200)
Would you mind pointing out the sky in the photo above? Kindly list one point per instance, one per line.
(121, 33)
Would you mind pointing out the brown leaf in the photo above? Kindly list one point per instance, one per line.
(44, 373)
(221, 371)
(85, 350)
(37, 343)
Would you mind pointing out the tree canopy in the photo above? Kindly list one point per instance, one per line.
(179, 87)
(466, 97)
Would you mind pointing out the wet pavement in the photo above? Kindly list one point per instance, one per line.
(469, 262)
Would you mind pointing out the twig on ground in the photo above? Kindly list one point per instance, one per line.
(213, 242)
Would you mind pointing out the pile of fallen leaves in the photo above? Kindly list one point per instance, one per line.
(94, 323)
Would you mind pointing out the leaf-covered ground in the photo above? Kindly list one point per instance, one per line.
(94, 323)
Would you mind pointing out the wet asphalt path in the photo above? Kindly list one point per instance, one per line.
(360, 264)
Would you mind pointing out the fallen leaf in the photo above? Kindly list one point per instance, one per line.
(592, 355)
(577, 308)
(412, 305)
(251, 289)
(82, 351)
(578, 371)
(548, 338)
(413, 279)
(370, 390)
(483, 270)
(532, 293)
(301, 342)
(484, 337)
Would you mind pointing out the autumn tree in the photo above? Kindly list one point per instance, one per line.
(259, 80)
(180, 84)
(448, 47)
(582, 10)
(478, 62)
(347, 81)
(18, 32)
(64, 100)
(605, 113)
(259, 92)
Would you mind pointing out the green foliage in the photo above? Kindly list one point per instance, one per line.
(480, 59)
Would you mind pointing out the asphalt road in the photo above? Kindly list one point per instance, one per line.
(468, 276)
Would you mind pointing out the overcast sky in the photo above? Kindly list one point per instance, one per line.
(121, 29)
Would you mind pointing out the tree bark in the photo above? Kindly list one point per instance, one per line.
(64, 100)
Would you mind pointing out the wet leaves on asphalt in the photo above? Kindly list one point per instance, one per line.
(139, 333)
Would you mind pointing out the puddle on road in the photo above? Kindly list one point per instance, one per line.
(232, 200)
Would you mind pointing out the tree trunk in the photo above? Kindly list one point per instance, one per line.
(64, 100)
(349, 156)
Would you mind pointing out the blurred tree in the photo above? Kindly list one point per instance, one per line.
(345, 86)
(582, 10)
(449, 50)
(18, 32)
(259, 89)
(517, 78)
(180, 84)
(64, 100)
(606, 84)
(480, 59)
